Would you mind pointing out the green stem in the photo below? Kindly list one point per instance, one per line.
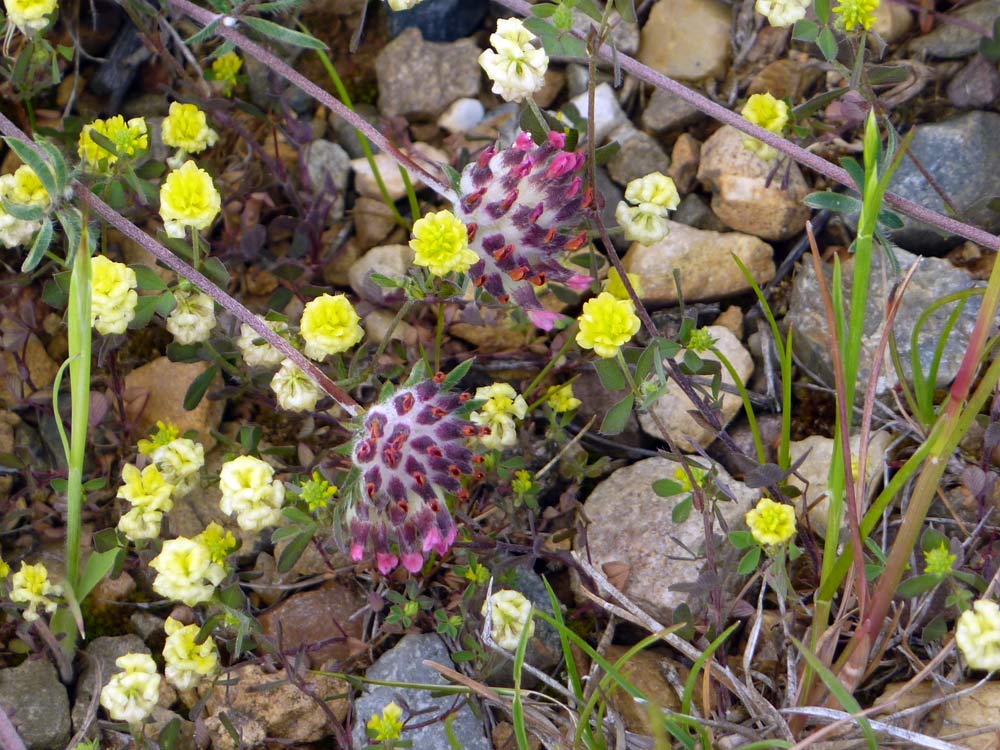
(79, 335)
(195, 250)
(438, 336)
(570, 339)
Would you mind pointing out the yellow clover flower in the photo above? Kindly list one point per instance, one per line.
(781, 13)
(30, 585)
(978, 635)
(217, 541)
(655, 188)
(771, 523)
(250, 490)
(523, 482)
(516, 67)
(441, 244)
(329, 326)
(188, 198)
(113, 296)
(28, 189)
(614, 284)
(129, 138)
(769, 113)
(186, 128)
(857, 13)
(503, 405)
(606, 324)
(146, 488)
(511, 614)
(29, 15)
(4, 568)
(652, 197)
(187, 663)
(132, 694)
(561, 399)
(939, 561)
(682, 478)
(255, 350)
(13, 231)
(386, 726)
(225, 68)
(185, 571)
(193, 319)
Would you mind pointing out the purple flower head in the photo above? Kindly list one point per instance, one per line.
(525, 207)
(411, 450)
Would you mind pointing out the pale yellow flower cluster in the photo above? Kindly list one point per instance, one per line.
(186, 571)
(607, 324)
(193, 319)
(132, 694)
(31, 585)
(769, 113)
(511, 612)
(329, 325)
(652, 196)
(187, 663)
(255, 350)
(250, 491)
(22, 187)
(978, 635)
(516, 67)
(294, 389)
(113, 296)
(149, 494)
(503, 406)
(30, 16)
(186, 128)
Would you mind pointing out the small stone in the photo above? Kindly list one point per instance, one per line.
(311, 617)
(37, 704)
(704, 261)
(30, 353)
(281, 707)
(816, 453)
(608, 114)
(695, 212)
(440, 20)
(402, 664)
(555, 79)
(624, 36)
(377, 323)
(373, 220)
(364, 178)
(156, 391)
(8, 421)
(687, 39)
(462, 115)
(969, 713)
(892, 21)
(612, 194)
(644, 671)
(158, 722)
(388, 260)
(934, 279)
(640, 154)
(953, 40)
(673, 407)
(785, 79)
(631, 524)
(742, 196)
(335, 272)
(732, 319)
(976, 86)
(684, 160)
(416, 77)
(252, 732)
(329, 167)
(666, 111)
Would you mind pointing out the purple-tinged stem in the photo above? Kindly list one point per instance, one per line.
(799, 154)
(178, 266)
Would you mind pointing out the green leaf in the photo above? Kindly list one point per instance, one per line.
(292, 552)
(216, 271)
(748, 563)
(822, 10)
(556, 43)
(384, 281)
(610, 374)
(98, 565)
(147, 278)
(23, 212)
(281, 34)
(805, 31)
(827, 43)
(454, 377)
(617, 416)
(42, 241)
(562, 18)
(199, 385)
(917, 585)
(989, 47)
(833, 202)
(626, 9)
(605, 152)
(55, 293)
(682, 511)
(274, 6)
(667, 487)
(544, 10)
(531, 123)
(203, 33)
(60, 171)
(889, 219)
(855, 170)
(71, 221)
(170, 734)
(741, 539)
(30, 157)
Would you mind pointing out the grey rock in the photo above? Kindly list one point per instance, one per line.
(462, 115)
(962, 156)
(266, 87)
(612, 194)
(404, 663)
(624, 36)
(388, 260)
(417, 77)
(329, 167)
(631, 524)
(666, 111)
(440, 20)
(640, 154)
(935, 278)
(951, 40)
(101, 655)
(975, 86)
(37, 704)
(608, 114)
(695, 212)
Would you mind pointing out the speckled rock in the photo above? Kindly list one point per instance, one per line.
(673, 407)
(666, 111)
(892, 21)
(631, 524)
(687, 39)
(37, 704)
(445, 72)
(364, 179)
(329, 167)
(704, 260)
(388, 260)
(404, 663)
(962, 156)
(952, 40)
(640, 154)
(975, 86)
(310, 617)
(684, 160)
(741, 194)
